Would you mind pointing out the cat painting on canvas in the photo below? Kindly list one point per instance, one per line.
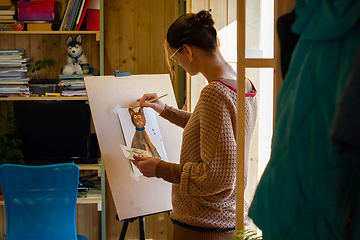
(140, 139)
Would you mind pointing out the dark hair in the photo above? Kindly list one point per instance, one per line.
(193, 29)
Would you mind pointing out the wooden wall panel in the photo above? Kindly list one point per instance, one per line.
(135, 31)
(37, 51)
(126, 36)
(112, 35)
(62, 58)
(23, 42)
(88, 221)
(92, 52)
(143, 36)
(2, 222)
(52, 50)
(157, 36)
(7, 41)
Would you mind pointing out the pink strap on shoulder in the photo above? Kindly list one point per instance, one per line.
(228, 85)
(251, 94)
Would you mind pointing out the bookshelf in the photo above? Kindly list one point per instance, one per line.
(52, 45)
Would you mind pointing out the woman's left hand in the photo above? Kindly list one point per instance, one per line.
(146, 165)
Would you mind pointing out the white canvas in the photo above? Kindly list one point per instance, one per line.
(147, 195)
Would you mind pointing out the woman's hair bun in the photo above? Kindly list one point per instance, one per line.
(205, 19)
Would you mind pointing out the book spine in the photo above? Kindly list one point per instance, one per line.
(79, 14)
(72, 15)
(76, 14)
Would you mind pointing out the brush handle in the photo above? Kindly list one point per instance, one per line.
(152, 100)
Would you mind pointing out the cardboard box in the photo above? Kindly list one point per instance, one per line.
(47, 10)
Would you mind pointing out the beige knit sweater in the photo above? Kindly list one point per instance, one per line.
(203, 192)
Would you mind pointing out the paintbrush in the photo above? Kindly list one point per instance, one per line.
(152, 100)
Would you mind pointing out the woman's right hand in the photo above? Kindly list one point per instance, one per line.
(157, 105)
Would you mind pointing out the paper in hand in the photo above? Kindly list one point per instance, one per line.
(130, 152)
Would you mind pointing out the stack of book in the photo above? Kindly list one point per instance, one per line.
(13, 73)
(73, 85)
(7, 12)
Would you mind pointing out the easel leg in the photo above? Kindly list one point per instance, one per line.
(123, 230)
(142, 228)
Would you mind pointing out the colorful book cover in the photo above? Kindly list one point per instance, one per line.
(39, 26)
(66, 16)
(79, 15)
(76, 14)
(83, 14)
(72, 15)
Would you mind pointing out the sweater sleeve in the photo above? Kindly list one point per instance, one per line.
(213, 170)
(176, 116)
(170, 172)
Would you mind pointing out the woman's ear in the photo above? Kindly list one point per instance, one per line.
(188, 52)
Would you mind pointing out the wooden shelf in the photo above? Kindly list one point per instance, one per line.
(97, 33)
(87, 167)
(93, 195)
(42, 98)
(95, 166)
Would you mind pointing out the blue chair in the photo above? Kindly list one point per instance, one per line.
(40, 201)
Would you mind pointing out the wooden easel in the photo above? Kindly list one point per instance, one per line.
(141, 226)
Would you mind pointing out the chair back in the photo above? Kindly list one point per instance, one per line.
(40, 201)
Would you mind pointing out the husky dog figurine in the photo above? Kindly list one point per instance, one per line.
(77, 62)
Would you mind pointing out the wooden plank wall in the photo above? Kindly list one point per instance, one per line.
(135, 31)
(2, 222)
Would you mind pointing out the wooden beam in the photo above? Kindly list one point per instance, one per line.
(240, 130)
(259, 63)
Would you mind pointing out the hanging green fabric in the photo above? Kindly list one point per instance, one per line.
(305, 189)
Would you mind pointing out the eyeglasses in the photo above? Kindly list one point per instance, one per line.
(172, 57)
